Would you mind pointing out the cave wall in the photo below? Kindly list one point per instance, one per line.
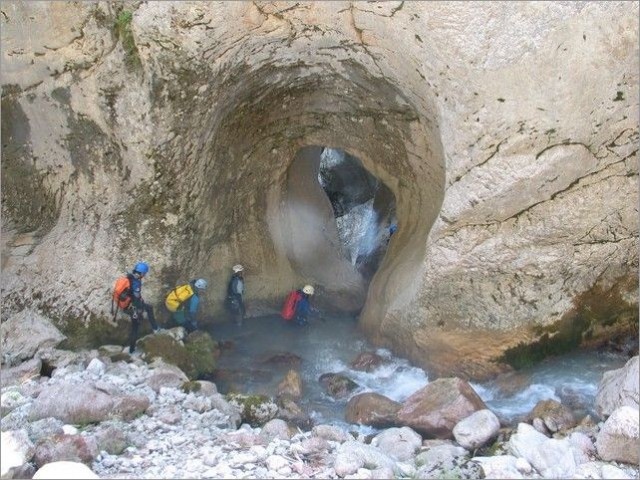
(164, 131)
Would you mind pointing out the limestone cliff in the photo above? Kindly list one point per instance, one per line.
(164, 131)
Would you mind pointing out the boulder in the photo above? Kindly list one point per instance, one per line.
(65, 471)
(27, 332)
(290, 411)
(618, 438)
(291, 385)
(477, 429)
(399, 443)
(372, 409)
(331, 433)
(618, 388)
(551, 457)
(367, 362)
(555, 416)
(352, 456)
(256, 410)
(435, 409)
(16, 450)
(336, 385)
(81, 404)
(62, 447)
(20, 373)
(276, 428)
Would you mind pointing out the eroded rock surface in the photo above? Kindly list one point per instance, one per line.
(507, 133)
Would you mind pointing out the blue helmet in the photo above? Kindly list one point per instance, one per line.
(141, 267)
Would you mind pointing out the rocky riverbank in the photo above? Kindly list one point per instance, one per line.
(124, 417)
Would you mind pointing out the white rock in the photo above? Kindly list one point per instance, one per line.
(477, 429)
(619, 388)
(65, 471)
(618, 438)
(15, 450)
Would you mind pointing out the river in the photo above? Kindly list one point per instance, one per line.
(331, 344)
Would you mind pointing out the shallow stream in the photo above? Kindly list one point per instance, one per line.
(257, 355)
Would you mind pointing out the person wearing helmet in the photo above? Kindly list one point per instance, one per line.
(235, 291)
(183, 302)
(138, 306)
(303, 306)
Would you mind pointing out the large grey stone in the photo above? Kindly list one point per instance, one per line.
(618, 439)
(27, 332)
(619, 388)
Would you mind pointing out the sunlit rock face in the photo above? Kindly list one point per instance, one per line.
(168, 131)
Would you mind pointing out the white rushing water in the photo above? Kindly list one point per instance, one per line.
(330, 346)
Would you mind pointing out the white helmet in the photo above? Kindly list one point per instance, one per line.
(200, 284)
(237, 268)
(308, 289)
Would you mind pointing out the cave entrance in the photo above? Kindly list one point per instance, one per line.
(335, 230)
(364, 209)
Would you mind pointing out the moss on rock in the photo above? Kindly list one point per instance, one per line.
(203, 351)
(598, 316)
(256, 410)
(196, 357)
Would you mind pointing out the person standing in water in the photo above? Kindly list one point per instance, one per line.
(235, 291)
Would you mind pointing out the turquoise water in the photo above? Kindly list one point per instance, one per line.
(329, 346)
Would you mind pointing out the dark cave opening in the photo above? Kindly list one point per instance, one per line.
(364, 209)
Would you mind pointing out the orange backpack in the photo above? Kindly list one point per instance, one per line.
(120, 298)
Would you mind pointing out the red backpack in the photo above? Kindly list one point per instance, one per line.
(290, 304)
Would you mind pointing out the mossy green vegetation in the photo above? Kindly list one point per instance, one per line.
(196, 358)
(203, 351)
(188, 387)
(256, 409)
(598, 315)
(124, 33)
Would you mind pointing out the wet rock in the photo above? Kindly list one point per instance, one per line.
(477, 429)
(555, 416)
(434, 410)
(619, 438)
(291, 385)
(372, 409)
(367, 362)
(290, 411)
(336, 385)
(619, 388)
(281, 358)
(232, 380)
